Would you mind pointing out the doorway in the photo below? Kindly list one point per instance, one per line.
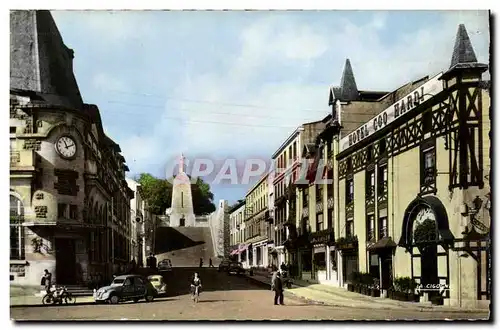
(182, 222)
(65, 261)
(386, 270)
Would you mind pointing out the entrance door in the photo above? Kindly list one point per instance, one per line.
(386, 264)
(349, 265)
(429, 266)
(182, 222)
(65, 261)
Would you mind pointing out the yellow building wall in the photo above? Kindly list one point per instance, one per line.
(404, 184)
(360, 217)
(341, 232)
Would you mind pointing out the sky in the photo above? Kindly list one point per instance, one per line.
(236, 84)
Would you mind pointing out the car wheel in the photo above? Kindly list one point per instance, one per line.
(136, 300)
(113, 300)
(149, 297)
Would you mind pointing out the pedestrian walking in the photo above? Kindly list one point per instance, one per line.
(210, 264)
(201, 262)
(196, 287)
(278, 290)
(46, 280)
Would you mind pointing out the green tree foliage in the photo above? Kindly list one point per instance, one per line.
(158, 193)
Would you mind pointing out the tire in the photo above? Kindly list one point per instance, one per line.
(69, 299)
(47, 299)
(113, 299)
(149, 297)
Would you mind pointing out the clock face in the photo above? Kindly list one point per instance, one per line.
(422, 215)
(66, 147)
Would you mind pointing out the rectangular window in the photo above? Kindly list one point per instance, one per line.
(428, 172)
(370, 184)
(370, 227)
(369, 153)
(383, 232)
(349, 190)
(427, 122)
(382, 179)
(61, 210)
(329, 220)
(73, 212)
(319, 222)
(319, 192)
(13, 130)
(349, 227)
(382, 146)
(305, 197)
(349, 164)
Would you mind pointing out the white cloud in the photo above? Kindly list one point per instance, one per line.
(377, 64)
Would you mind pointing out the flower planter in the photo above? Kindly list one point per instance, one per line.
(413, 297)
(437, 300)
(375, 293)
(350, 287)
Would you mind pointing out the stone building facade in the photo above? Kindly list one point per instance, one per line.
(236, 229)
(411, 193)
(69, 202)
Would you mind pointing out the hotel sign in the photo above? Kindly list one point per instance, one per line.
(404, 105)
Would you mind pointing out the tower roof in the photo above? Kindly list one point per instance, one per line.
(463, 51)
(348, 89)
(39, 59)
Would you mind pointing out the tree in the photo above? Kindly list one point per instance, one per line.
(158, 193)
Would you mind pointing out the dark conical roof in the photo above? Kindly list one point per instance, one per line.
(463, 51)
(348, 88)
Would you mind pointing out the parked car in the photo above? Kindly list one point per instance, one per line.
(158, 283)
(165, 265)
(235, 268)
(224, 265)
(126, 287)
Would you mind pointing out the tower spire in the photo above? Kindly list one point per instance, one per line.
(181, 163)
(463, 51)
(348, 88)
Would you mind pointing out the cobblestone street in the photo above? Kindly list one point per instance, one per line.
(225, 298)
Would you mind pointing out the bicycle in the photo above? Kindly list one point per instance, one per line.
(58, 297)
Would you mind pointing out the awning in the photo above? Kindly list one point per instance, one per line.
(242, 247)
(383, 243)
(234, 252)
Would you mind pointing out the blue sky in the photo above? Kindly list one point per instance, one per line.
(236, 84)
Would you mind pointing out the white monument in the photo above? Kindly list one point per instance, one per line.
(182, 211)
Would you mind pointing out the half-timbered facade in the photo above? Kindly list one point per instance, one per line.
(412, 188)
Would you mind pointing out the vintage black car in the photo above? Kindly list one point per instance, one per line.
(126, 287)
(235, 268)
(224, 265)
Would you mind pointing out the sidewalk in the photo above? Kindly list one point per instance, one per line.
(33, 301)
(335, 296)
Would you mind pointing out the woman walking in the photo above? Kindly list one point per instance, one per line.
(195, 287)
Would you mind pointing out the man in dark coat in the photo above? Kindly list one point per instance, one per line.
(278, 290)
(46, 280)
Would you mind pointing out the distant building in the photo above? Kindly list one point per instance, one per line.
(69, 202)
(236, 228)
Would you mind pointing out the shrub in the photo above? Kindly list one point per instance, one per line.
(404, 284)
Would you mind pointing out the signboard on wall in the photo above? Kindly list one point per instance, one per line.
(406, 104)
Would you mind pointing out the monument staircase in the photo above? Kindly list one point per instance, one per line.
(184, 246)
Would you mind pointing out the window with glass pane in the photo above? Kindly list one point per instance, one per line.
(329, 219)
(305, 197)
(350, 191)
(319, 222)
(383, 227)
(319, 192)
(349, 227)
(429, 165)
(370, 227)
(16, 229)
(382, 179)
(370, 183)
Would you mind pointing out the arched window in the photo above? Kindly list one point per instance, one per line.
(16, 228)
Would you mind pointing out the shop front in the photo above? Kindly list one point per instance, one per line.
(322, 242)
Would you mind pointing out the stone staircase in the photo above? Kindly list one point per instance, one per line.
(184, 246)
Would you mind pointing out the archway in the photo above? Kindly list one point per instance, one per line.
(426, 236)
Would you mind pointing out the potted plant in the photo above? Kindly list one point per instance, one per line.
(403, 289)
(354, 280)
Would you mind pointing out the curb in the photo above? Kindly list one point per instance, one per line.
(62, 305)
(413, 308)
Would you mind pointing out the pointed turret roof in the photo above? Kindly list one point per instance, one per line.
(463, 51)
(348, 89)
